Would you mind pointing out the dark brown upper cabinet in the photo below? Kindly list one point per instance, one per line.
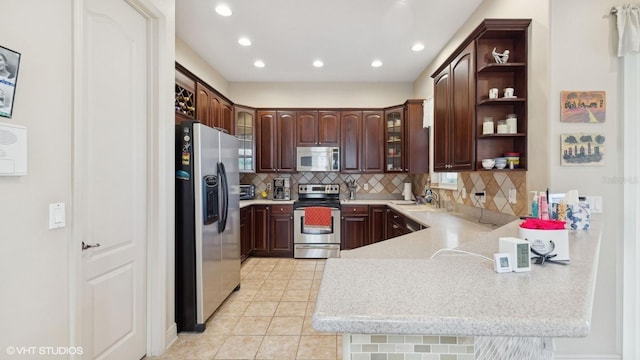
(454, 119)
(461, 101)
(275, 141)
(318, 128)
(406, 140)
(362, 141)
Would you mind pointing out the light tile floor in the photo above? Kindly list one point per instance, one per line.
(268, 318)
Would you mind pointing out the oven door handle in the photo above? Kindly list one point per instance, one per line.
(316, 246)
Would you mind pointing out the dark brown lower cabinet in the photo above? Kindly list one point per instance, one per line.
(246, 232)
(260, 230)
(273, 230)
(281, 231)
(354, 226)
(395, 224)
(377, 220)
(398, 224)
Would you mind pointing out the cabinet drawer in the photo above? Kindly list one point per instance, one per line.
(354, 210)
(281, 209)
(395, 217)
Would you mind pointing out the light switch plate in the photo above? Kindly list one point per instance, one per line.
(595, 204)
(57, 217)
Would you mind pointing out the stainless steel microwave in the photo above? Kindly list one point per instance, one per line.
(318, 158)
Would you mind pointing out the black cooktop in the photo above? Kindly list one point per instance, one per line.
(327, 195)
(332, 203)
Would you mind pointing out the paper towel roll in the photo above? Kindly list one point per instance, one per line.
(407, 191)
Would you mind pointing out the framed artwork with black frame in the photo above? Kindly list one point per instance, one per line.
(9, 65)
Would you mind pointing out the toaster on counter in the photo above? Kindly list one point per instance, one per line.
(247, 192)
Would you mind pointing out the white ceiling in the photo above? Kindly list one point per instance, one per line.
(288, 35)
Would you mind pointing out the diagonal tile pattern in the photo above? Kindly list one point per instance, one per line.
(378, 184)
(497, 185)
(268, 318)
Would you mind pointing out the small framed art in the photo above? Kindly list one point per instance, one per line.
(582, 149)
(9, 65)
(583, 106)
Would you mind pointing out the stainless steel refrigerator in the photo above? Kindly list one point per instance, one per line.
(207, 243)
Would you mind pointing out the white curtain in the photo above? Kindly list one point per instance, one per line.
(630, 78)
(628, 24)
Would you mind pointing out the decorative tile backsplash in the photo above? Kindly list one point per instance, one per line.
(390, 186)
(497, 185)
(381, 186)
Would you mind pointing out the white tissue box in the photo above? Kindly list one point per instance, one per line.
(540, 240)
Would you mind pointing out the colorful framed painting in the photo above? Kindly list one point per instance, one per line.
(583, 106)
(582, 149)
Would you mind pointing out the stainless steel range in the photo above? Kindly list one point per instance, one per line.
(316, 224)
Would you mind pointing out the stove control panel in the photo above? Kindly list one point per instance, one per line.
(318, 189)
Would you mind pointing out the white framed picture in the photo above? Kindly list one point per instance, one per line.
(9, 65)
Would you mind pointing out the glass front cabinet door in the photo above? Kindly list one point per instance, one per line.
(245, 125)
(394, 140)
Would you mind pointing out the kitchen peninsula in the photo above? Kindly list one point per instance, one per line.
(392, 301)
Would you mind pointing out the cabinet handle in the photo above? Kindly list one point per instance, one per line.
(354, 210)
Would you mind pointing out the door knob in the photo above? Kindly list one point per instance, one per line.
(88, 246)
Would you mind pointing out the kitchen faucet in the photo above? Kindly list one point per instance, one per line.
(432, 197)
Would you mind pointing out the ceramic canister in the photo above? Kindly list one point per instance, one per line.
(579, 216)
(487, 126)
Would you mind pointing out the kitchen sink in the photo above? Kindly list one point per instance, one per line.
(403, 202)
(406, 206)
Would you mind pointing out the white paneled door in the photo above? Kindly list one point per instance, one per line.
(111, 177)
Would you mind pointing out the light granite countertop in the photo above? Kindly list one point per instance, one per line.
(393, 287)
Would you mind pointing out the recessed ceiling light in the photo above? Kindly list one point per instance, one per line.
(244, 41)
(417, 47)
(258, 64)
(376, 63)
(223, 10)
(318, 63)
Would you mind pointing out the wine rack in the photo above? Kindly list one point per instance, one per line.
(185, 102)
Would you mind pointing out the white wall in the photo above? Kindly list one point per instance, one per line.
(309, 95)
(582, 43)
(289, 94)
(188, 58)
(34, 261)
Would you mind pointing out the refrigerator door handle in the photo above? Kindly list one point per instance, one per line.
(222, 175)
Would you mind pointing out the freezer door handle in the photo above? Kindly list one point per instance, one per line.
(224, 184)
